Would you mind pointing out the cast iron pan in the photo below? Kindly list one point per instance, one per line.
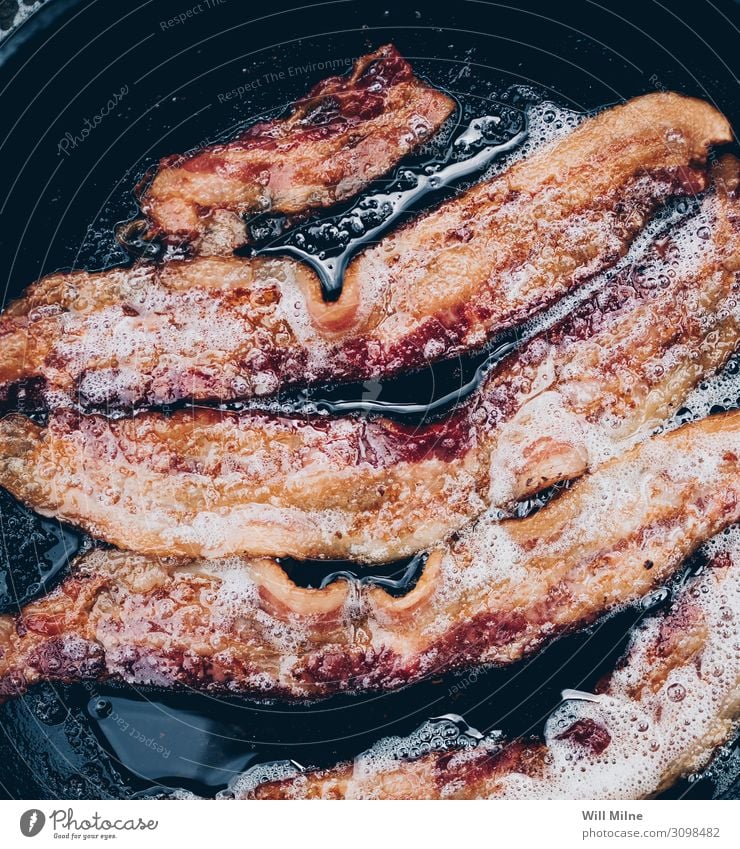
(59, 204)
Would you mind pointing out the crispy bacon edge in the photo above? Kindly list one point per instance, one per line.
(660, 716)
(492, 596)
(345, 133)
(202, 483)
(221, 328)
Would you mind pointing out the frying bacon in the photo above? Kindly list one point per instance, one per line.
(659, 717)
(225, 328)
(493, 595)
(345, 133)
(204, 483)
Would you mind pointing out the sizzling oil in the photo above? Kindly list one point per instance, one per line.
(91, 740)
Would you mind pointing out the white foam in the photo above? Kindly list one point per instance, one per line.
(669, 732)
(245, 783)
(651, 739)
(568, 381)
(491, 558)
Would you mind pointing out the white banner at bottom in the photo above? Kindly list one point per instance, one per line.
(381, 825)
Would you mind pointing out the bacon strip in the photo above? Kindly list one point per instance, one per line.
(225, 328)
(492, 596)
(659, 717)
(209, 484)
(344, 134)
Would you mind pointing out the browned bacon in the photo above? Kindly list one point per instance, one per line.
(225, 328)
(494, 594)
(660, 716)
(345, 133)
(207, 483)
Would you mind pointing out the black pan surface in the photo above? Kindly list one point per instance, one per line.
(69, 166)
